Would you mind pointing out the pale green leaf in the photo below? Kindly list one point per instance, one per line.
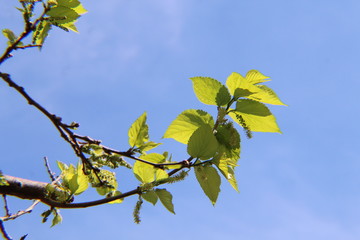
(225, 165)
(150, 196)
(73, 4)
(144, 172)
(239, 86)
(266, 95)
(257, 116)
(255, 77)
(148, 146)
(9, 35)
(139, 132)
(209, 181)
(210, 91)
(156, 158)
(82, 180)
(186, 123)
(202, 144)
(166, 199)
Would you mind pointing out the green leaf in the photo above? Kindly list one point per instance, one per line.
(9, 35)
(266, 95)
(202, 144)
(244, 87)
(81, 180)
(257, 116)
(166, 199)
(150, 196)
(146, 173)
(139, 132)
(148, 146)
(255, 77)
(65, 13)
(239, 86)
(210, 91)
(186, 124)
(41, 32)
(229, 138)
(227, 168)
(57, 218)
(209, 181)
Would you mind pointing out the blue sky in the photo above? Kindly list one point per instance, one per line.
(133, 56)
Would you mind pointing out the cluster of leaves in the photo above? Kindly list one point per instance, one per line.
(59, 13)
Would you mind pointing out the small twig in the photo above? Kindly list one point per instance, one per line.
(3, 231)
(51, 174)
(7, 212)
(20, 213)
(28, 46)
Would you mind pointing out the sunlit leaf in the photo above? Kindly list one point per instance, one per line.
(255, 77)
(41, 32)
(139, 132)
(257, 116)
(186, 123)
(202, 144)
(9, 35)
(210, 91)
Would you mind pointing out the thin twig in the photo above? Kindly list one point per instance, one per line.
(28, 46)
(21, 212)
(7, 212)
(3, 231)
(51, 174)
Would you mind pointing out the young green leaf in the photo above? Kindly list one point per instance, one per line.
(148, 146)
(266, 95)
(244, 87)
(255, 77)
(257, 116)
(146, 173)
(239, 86)
(9, 35)
(41, 32)
(81, 180)
(150, 196)
(227, 167)
(202, 144)
(229, 138)
(57, 217)
(209, 181)
(65, 13)
(186, 123)
(166, 199)
(139, 132)
(210, 91)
